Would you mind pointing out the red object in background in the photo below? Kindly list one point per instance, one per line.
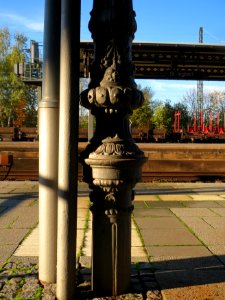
(177, 121)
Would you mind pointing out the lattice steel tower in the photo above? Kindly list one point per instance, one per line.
(200, 82)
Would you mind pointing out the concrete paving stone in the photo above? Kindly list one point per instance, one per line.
(186, 263)
(196, 223)
(201, 204)
(16, 196)
(198, 279)
(139, 204)
(2, 208)
(8, 217)
(178, 251)
(138, 259)
(193, 212)
(29, 250)
(89, 225)
(85, 261)
(27, 217)
(30, 246)
(159, 222)
(82, 213)
(16, 202)
(86, 250)
(80, 237)
(81, 223)
(207, 234)
(5, 252)
(219, 211)
(83, 202)
(173, 197)
(12, 236)
(215, 222)
(153, 191)
(162, 236)
(219, 251)
(206, 197)
(6, 189)
(152, 204)
(133, 225)
(138, 252)
(212, 237)
(221, 202)
(145, 198)
(135, 238)
(149, 212)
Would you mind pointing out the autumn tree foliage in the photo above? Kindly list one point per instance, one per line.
(15, 96)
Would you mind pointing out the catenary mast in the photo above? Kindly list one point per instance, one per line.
(200, 89)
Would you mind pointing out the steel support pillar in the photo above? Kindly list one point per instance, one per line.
(68, 149)
(48, 144)
(111, 161)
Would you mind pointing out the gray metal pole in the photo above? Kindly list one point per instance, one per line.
(48, 144)
(68, 149)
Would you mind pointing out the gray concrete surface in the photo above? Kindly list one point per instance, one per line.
(178, 237)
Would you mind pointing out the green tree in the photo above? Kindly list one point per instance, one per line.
(141, 117)
(12, 89)
(163, 115)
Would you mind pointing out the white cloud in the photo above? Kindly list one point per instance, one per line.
(21, 21)
(164, 85)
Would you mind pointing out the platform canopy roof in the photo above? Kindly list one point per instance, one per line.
(169, 60)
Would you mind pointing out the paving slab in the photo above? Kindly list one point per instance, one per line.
(174, 197)
(12, 236)
(183, 232)
(196, 224)
(169, 263)
(193, 212)
(215, 222)
(159, 222)
(143, 212)
(139, 204)
(206, 197)
(212, 237)
(201, 204)
(222, 202)
(6, 251)
(162, 236)
(206, 233)
(145, 198)
(21, 217)
(178, 252)
(15, 202)
(135, 238)
(153, 204)
(180, 278)
(2, 208)
(219, 211)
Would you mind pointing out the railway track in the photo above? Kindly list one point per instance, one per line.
(19, 175)
(166, 162)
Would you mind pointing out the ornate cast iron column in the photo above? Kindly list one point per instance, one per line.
(112, 162)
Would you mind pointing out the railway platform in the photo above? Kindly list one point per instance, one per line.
(178, 242)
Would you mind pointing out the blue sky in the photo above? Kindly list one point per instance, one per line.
(158, 21)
